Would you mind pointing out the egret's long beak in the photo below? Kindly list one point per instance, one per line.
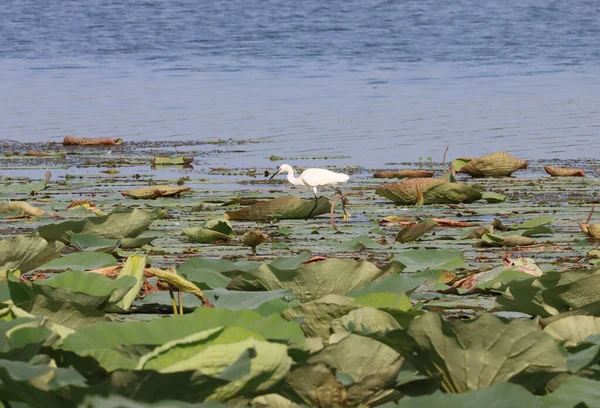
(276, 173)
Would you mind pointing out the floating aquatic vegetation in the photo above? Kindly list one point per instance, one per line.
(404, 174)
(413, 232)
(428, 191)
(213, 231)
(498, 164)
(152, 192)
(556, 171)
(171, 161)
(286, 207)
(83, 141)
(22, 208)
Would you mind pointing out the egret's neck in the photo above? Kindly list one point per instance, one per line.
(297, 181)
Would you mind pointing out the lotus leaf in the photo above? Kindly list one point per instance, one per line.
(493, 198)
(404, 174)
(413, 232)
(220, 225)
(269, 363)
(286, 207)
(591, 230)
(365, 320)
(316, 316)
(206, 273)
(317, 385)
(134, 267)
(428, 191)
(26, 253)
(102, 340)
(203, 235)
(116, 225)
(80, 261)
(152, 192)
(116, 401)
(421, 259)
(21, 207)
(37, 385)
(84, 141)
(173, 161)
(72, 299)
(311, 281)
(389, 284)
(475, 354)
(498, 164)
(366, 361)
(496, 240)
(86, 242)
(574, 392)
(502, 395)
(573, 329)
(556, 171)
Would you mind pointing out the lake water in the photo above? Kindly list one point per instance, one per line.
(378, 81)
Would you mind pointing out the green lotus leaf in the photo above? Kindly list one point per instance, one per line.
(118, 224)
(493, 198)
(475, 354)
(220, 225)
(573, 329)
(286, 207)
(206, 273)
(266, 364)
(37, 385)
(315, 317)
(421, 259)
(152, 192)
(86, 242)
(413, 232)
(311, 281)
(72, 299)
(428, 191)
(365, 320)
(173, 161)
(117, 401)
(133, 267)
(80, 261)
(26, 253)
(204, 235)
(389, 284)
(112, 343)
(573, 392)
(502, 395)
(364, 360)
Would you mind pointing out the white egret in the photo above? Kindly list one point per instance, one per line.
(314, 178)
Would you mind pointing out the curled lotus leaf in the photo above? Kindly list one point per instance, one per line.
(172, 161)
(116, 225)
(413, 232)
(498, 164)
(428, 191)
(495, 240)
(84, 141)
(22, 207)
(26, 253)
(204, 235)
(591, 230)
(148, 193)
(286, 207)
(556, 171)
(404, 174)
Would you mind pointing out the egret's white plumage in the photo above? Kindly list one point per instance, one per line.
(313, 178)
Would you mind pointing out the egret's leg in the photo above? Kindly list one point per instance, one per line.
(344, 202)
(315, 206)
